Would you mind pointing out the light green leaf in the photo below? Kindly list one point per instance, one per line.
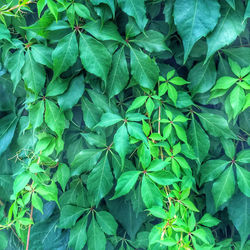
(158, 212)
(37, 202)
(125, 183)
(230, 25)
(95, 236)
(247, 103)
(224, 82)
(53, 8)
(136, 9)
(33, 74)
(54, 118)
(69, 215)
(137, 103)
(20, 182)
(144, 69)
(4, 32)
(202, 235)
(163, 177)
(48, 192)
(94, 56)
(235, 67)
(116, 83)
(208, 220)
(57, 87)
(200, 18)
(150, 193)
(181, 133)
(107, 222)
(223, 188)
(243, 180)
(65, 54)
(172, 93)
(237, 100)
(178, 80)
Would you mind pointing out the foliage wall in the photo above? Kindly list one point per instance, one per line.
(124, 124)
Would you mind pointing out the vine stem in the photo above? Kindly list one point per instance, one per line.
(28, 236)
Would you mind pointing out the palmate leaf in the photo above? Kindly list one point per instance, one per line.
(94, 56)
(100, 180)
(199, 18)
(65, 54)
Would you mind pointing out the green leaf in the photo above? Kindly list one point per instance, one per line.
(42, 54)
(85, 160)
(37, 202)
(178, 80)
(110, 3)
(104, 32)
(71, 15)
(237, 100)
(198, 140)
(216, 125)
(190, 205)
(247, 103)
(152, 41)
(158, 212)
(230, 25)
(94, 139)
(65, 54)
(144, 70)
(150, 193)
(125, 183)
(199, 19)
(247, 12)
(20, 182)
(78, 234)
(172, 93)
(15, 64)
(73, 94)
(82, 11)
(229, 147)
(223, 188)
(48, 192)
(94, 233)
(107, 222)
(36, 114)
(137, 103)
(235, 67)
(231, 3)
(163, 177)
(181, 133)
(4, 32)
(54, 118)
(109, 119)
(210, 170)
(243, 156)
(157, 165)
(208, 220)
(121, 142)
(57, 87)
(202, 77)
(202, 235)
(69, 215)
(53, 8)
(62, 175)
(135, 9)
(116, 83)
(225, 82)
(100, 180)
(94, 56)
(7, 129)
(243, 180)
(33, 74)
(239, 213)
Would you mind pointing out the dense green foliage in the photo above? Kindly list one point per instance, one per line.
(124, 124)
